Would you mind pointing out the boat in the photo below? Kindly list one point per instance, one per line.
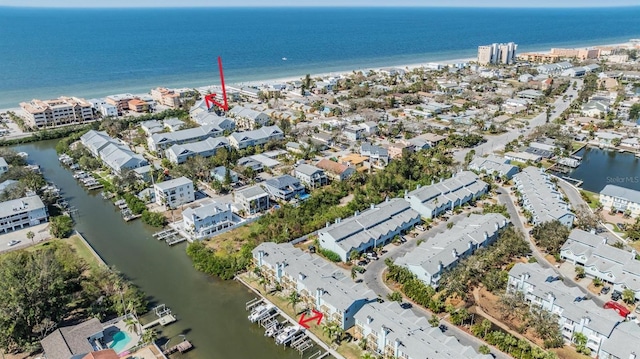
(284, 59)
(23, 154)
(272, 330)
(261, 312)
(287, 334)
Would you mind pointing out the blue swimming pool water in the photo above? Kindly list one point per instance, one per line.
(120, 340)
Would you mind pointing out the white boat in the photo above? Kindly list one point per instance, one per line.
(284, 59)
(261, 312)
(272, 330)
(23, 154)
(288, 333)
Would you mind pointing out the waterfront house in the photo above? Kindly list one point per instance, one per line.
(284, 187)
(95, 141)
(320, 284)
(72, 342)
(249, 119)
(542, 288)
(174, 193)
(431, 201)
(378, 156)
(4, 167)
(394, 332)
(205, 148)
(372, 228)
(252, 199)
(220, 174)
(242, 140)
(431, 258)
(494, 166)
(612, 265)
(310, 175)
(207, 219)
(336, 171)
(620, 199)
(540, 197)
(158, 142)
(523, 157)
(119, 158)
(22, 213)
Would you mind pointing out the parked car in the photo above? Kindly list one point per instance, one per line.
(359, 269)
(372, 255)
(616, 295)
(605, 289)
(420, 228)
(13, 243)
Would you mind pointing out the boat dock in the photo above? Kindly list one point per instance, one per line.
(164, 317)
(182, 347)
(170, 236)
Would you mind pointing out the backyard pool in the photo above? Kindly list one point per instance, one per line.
(120, 340)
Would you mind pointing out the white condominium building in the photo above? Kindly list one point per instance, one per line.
(21, 213)
(175, 192)
(57, 112)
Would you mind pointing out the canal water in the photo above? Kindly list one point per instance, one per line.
(602, 167)
(211, 313)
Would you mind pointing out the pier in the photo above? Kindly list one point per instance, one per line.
(182, 347)
(164, 234)
(164, 317)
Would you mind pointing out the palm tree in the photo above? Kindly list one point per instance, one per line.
(293, 299)
(354, 273)
(131, 325)
(30, 236)
(149, 336)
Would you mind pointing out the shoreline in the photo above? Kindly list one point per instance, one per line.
(318, 72)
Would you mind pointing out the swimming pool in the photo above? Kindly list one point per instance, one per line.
(120, 340)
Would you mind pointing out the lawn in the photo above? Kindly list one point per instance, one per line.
(593, 198)
(229, 241)
(83, 251)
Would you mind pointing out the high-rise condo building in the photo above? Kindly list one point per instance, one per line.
(497, 53)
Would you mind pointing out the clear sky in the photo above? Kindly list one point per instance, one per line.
(270, 3)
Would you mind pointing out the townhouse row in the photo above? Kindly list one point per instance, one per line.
(540, 196)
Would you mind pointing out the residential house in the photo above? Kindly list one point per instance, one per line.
(242, 140)
(354, 132)
(152, 126)
(204, 118)
(220, 174)
(72, 342)
(284, 187)
(530, 94)
(325, 138)
(432, 139)
(119, 157)
(173, 124)
(370, 127)
(391, 331)
(622, 343)
(397, 149)
(206, 148)
(252, 199)
(334, 170)
(175, 192)
(378, 156)
(542, 288)
(207, 219)
(431, 201)
(431, 258)
(612, 265)
(372, 228)
(606, 138)
(247, 118)
(95, 141)
(620, 199)
(354, 160)
(22, 213)
(310, 175)
(158, 142)
(4, 167)
(595, 108)
(494, 165)
(523, 157)
(102, 354)
(540, 197)
(320, 284)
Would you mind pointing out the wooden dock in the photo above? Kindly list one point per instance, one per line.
(167, 233)
(164, 320)
(175, 240)
(182, 347)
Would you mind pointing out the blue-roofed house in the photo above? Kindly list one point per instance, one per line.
(284, 187)
(220, 174)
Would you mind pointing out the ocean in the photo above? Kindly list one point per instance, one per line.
(46, 53)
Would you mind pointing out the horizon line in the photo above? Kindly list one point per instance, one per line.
(322, 6)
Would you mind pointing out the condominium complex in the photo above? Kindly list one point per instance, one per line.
(497, 53)
(540, 196)
(431, 258)
(21, 213)
(60, 111)
(620, 199)
(494, 165)
(175, 192)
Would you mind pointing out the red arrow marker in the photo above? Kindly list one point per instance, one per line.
(317, 316)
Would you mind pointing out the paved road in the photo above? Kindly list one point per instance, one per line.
(495, 143)
(373, 279)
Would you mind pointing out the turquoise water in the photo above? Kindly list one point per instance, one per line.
(95, 52)
(120, 340)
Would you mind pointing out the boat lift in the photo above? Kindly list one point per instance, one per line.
(253, 303)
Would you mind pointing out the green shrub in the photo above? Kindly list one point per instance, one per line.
(153, 218)
(330, 255)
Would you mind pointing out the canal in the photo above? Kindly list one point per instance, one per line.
(211, 313)
(602, 167)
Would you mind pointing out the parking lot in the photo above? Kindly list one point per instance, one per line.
(40, 231)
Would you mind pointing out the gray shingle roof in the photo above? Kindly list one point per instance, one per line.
(180, 181)
(20, 205)
(66, 342)
(621, 192)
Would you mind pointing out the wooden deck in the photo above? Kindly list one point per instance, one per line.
(182, 347)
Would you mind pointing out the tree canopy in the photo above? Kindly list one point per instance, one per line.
(550, 235)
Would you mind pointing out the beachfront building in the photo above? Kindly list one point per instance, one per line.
(320, 284)
(168, 97)
(158, 142)
(56, 112)
(612, 265)
(205, 148)
(21, 213)
(113, 152)
(372, 228)
(248, 119)
(207, 219)
(284, 187)
(174, 193)
(310, 175)
(493, 165)
(378, 156)
(252, 199)
(334, 170)
(620, 199)
(242, 140)
(540, 197)
(497, 53)
(433, 257)
(542, 288)
(394, 332)
(120, 101)
(431, 201)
